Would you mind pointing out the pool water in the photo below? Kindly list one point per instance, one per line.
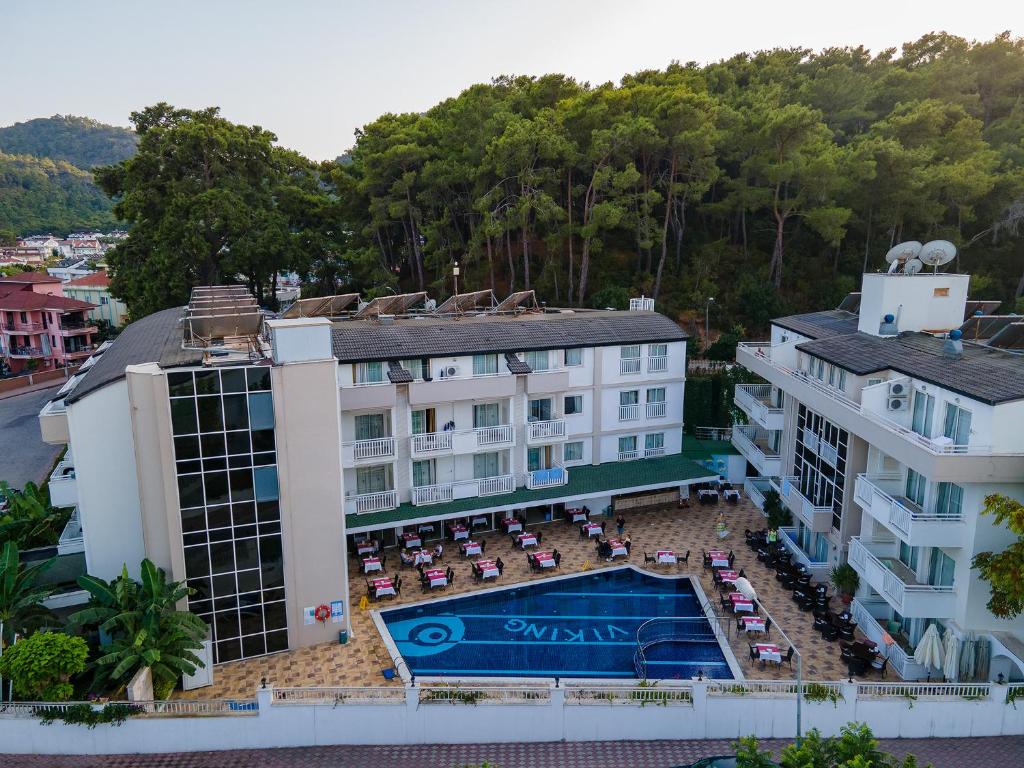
(582, 626)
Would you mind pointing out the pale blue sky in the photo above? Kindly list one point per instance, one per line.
(313, 71)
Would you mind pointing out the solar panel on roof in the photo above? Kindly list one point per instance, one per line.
(1010, 337)
(517, 300)
(321, 306)
(391, 305)
(463, 302)
(982, 327)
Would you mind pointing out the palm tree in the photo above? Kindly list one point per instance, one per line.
(144, 626)
(21, 596)
(28, 517)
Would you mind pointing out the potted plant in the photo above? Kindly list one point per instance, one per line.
(778, 516)
(845, 579)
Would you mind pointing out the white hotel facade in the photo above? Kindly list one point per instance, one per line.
(244, 461)
(883, 433)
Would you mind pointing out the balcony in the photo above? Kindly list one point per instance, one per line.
(380, 501)
(491, 486)
(499, 436)
(374, 449)
(431, 443)
(629, 366)
(63, 485)
(26, 353)
(628, 455)
(71, 540)
(76, 328)
(755, 400)
(79, 352)
(547, 478)
(545, 431)
(432, 494)
(871, 616)
(877, 565)
(756, 487)
(653, 453)
(819, 569)
(754, 444)
(818, 519)
(23, 328)
(629, 412)
(879, 496)
(657, 410)
(53, 423)
(657, 364)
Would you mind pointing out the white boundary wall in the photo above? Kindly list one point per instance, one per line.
(697, 710)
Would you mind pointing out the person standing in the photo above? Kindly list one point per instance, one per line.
(620, 525)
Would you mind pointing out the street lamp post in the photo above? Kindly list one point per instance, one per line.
(707, 321)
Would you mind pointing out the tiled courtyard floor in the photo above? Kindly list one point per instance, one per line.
(359, 663)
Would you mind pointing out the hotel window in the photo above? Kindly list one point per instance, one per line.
(629, 397)
(627, 446)
(486, 465)
(373, 479)
(369, 373)
(657, 350)
(654, 444)
(656, 395)
(916, 485)
(957, 425)
(370, 426)
(572, 451)
(424, 473)
(573, 357)
(941, 568)
(949, 500)
(486, 415)
(836, 377)
(537, 359)
(540, 410)
(924, 411)
(908, 555)
(485, 365)
(416, 367)
(225, 460)
(630, 352)
(573, 404)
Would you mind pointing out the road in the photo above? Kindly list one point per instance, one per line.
(941, 753)
(24, 456)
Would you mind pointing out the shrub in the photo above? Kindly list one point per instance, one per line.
(85, 714)
(41, 666)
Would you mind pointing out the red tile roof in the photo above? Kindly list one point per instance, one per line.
(29, 277)
(26, 301)
(95, 280)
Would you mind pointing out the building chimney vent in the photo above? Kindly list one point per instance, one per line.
(953, 346)
(386, 319)
(888, 326)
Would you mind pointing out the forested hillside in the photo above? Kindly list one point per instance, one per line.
(78, 140)
(43, 195)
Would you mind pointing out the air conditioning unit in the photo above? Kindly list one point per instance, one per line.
(449, 371)
(899, 403)
(899, 389)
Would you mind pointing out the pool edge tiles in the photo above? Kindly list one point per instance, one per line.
(524, 638)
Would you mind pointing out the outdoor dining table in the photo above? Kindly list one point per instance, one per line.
(366, 547)
(527, 540)
(665, 556)
(592, 529)
(371, 564)
(511, 525)
(741, 604)
(471, 548)
(618, 548)
(727, 576)
(768, 652)
(753, 624)
(731, 494)
(425, 528)
(436, 577)
(719, 559)
(424, 557)
(706, 496)
(575, 515)
(544, 559)
(412, 540)
(479, 520)
(382, 586)
(458, 532)
(488, 569)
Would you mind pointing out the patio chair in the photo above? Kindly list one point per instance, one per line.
(754, 657)
(763, 555)
(742, 574)
(881, 664)
(767, 626)
(648, 557)
(726, 604)
(529, 562)
(830, 632)
(685, 559)
(732, 558)
(500, 566)
(846, 633)
(788, 657)
(540, 537)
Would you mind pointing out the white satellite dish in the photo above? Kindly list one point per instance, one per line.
(912, 267)
(903, 251)
(936, 253)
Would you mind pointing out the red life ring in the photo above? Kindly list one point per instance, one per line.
(322, 613)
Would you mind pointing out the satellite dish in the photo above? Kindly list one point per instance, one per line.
(912, 267)
(903, 251)
(936, 253)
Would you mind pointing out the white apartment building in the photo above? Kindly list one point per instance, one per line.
(883, 429)
(243, 456)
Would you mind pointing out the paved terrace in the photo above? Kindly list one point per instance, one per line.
(360, 662)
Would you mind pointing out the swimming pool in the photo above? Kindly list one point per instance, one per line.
(578, 626)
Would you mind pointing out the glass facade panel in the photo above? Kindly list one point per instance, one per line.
(574, 357)
(485, 365)
(819, 461)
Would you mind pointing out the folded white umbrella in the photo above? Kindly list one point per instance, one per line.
(951, 648)
(929, 649)
(745, 588)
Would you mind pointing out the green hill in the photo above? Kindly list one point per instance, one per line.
(78, 140)
(44, 195)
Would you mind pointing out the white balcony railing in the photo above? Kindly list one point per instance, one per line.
(657, 364)
(489, 486)
(818, 518)
(876, 563)
(869, 614)
(72, 539)
(546, 430)
(500, 435)
(629, 366)
(432, 494)
(653, 453)
(547, 478)
(879, 496)
(754, 444)
(818, 568)
(755, 400)
(431, 442)
(755, 488)
(629, 412)
(375, 448)
(63, 485)
(657, 410)
(375, 502)
(628, 455)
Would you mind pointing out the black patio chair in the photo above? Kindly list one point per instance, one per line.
(881, 664)
(648, 557)
(685, 559)
(788, 657)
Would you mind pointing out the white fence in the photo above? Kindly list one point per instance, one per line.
(491, 712)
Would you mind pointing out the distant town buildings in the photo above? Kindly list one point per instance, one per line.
(94, 288)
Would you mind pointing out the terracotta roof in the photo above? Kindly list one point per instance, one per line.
(96, 280)
(30, 277)
(27, 301)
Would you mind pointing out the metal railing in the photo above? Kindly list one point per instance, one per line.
(892, 585)
(474, 695)
(869, 491)
(168, 708)
(653, 453)
(376, 502)
(899, 659)
(629, 412)
(712, 433)
(431, 442)
(432, 494)
(629, 366)
(946, 691)
(490, 486)
(546, 430)
(547, 478)
(71, 539)
(374, 448)
(672, 629)
(756, 400)
(769, 688)
(503, 433)
(335, 696)
(628, 455)
(654, 694)
(24, 328)
(789, 539)
(657, 410)
(657, 364)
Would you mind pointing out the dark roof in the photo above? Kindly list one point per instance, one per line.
(981, 373)
(820, 325)
(368, 340)
(397, 374)
(515, 365)
(151, 339)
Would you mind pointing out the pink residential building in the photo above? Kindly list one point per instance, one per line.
(41, 328)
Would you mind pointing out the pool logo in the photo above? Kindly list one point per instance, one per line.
(427, 636)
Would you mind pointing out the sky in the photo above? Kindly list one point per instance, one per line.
(313, 71)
